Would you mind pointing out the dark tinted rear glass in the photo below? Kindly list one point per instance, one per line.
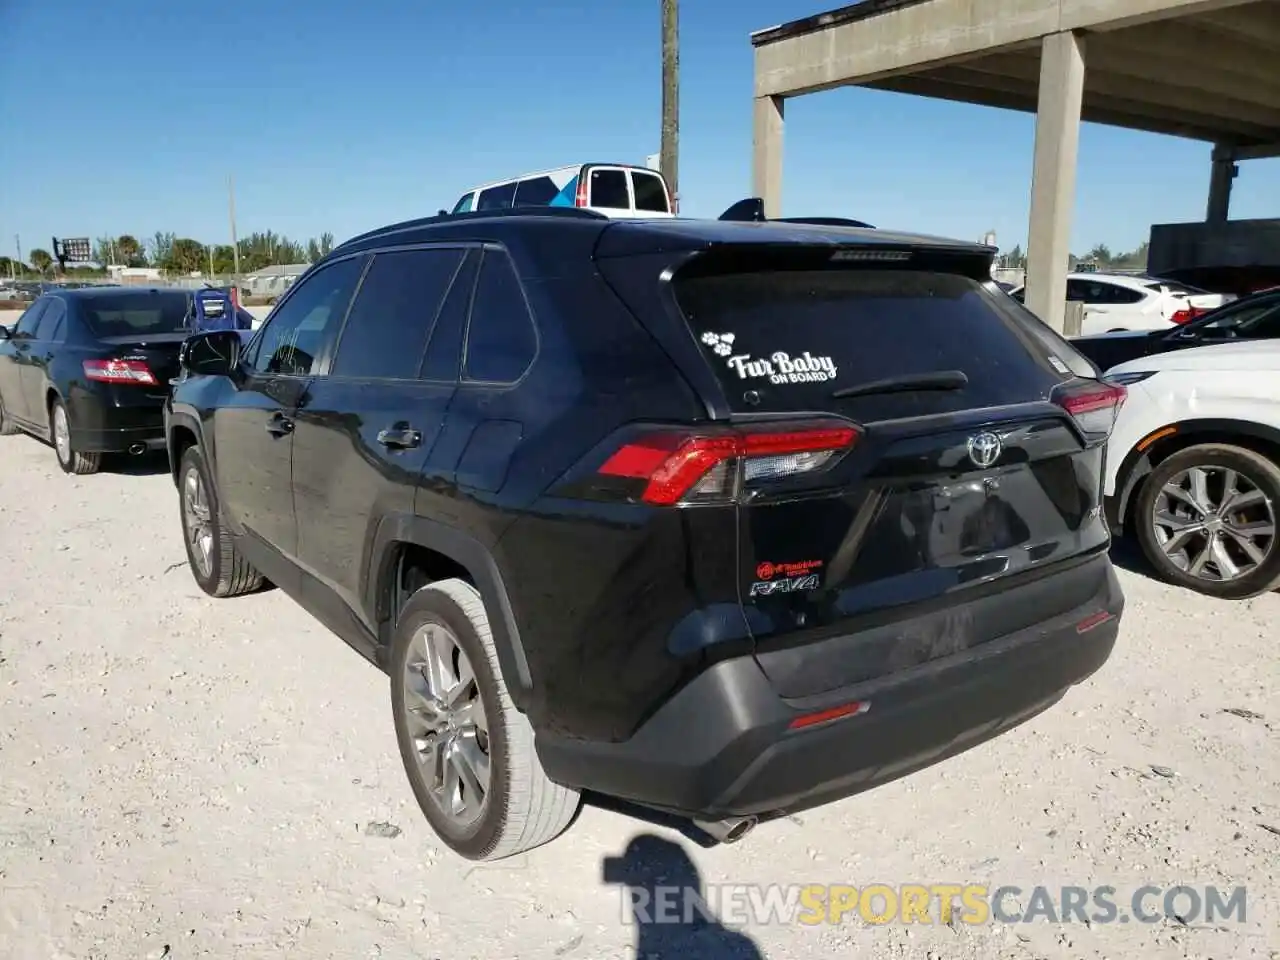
(788, 340)
(537, 192)
(651, 195)
(129, 314)
(497, 198)
(609, 189)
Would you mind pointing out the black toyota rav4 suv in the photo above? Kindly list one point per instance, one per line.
(723, 519)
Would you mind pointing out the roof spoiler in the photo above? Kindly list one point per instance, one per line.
(751, 210)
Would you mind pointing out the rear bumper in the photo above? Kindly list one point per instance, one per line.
(98, 426)
(722, 747)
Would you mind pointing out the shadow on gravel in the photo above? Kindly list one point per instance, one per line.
(1127, 555)
(143, 465)
(672, 915)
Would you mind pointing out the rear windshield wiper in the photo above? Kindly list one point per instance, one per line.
(941, 380)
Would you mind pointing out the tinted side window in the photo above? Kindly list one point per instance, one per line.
(497, 198)
(609, 189)
(650, 193)
(295, 334)
(1077, 290)
(1114, 293)
(393, 313)
(50, 325)
(444, 349)
(501, 339)
(26, 325)
(537, 192)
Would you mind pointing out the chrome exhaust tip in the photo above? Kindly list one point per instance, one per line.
(137, 449)
(727, 831)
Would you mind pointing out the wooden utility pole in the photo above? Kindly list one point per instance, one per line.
(669, 158)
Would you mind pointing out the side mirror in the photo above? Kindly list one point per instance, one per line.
(4, 333)
(212, 354)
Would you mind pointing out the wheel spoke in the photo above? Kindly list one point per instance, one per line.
(1203, 557)
(1241, 500)
(1199, 480)
(1227, 569)
(1177, 492)
(450, 783)
(472, 768)
(1245, 543)
(457, 695)
(472, 716)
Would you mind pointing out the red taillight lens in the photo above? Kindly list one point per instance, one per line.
(119, 371)
(1182, 316)
(685, 467)
(580, 197)
(1094, 406)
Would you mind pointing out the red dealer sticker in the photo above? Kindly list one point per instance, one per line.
(768, 570)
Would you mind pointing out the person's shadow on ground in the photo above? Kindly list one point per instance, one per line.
(668, 906)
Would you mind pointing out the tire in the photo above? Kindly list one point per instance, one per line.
(7, 427)
(1254, 472)
(69, 459)
(224, 573)
(521, 808)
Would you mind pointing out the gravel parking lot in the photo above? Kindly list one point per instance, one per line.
(184, 777)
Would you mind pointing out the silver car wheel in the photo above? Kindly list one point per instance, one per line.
(196, 517)
(61, 434)
(1214, 523)
(447, 722)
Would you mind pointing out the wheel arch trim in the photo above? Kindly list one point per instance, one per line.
(479, 561)
(1137, 464)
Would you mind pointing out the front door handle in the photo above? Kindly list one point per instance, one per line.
(279, 425)
(399, 438)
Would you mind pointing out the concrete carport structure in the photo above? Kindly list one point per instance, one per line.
(1205, 69)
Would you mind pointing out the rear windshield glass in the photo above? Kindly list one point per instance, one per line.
(651, 193)
(123, 315)
(1174, 287)
(790, 340)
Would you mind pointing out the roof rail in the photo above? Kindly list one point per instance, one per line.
(751, 210)
(571, 213)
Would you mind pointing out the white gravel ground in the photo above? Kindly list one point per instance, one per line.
(186, 777)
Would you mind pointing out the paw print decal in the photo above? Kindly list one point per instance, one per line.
(721, 343)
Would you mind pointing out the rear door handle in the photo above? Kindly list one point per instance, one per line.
(279, 425)
(399, 438)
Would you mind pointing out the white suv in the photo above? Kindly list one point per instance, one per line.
(1115, 301)
(1193, 465)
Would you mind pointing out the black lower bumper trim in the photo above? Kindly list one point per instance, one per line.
(722, 746)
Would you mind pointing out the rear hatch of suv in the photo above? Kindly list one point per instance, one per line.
(898, 439)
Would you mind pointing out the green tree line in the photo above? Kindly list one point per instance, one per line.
(180, 255)
(1101, 254)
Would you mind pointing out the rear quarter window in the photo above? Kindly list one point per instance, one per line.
(789, 340)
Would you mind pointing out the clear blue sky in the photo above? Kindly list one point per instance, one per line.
(341, 116)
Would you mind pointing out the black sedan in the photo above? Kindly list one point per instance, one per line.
(89, 370)
(1255, 317)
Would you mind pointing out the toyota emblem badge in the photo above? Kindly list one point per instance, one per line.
(984, 449)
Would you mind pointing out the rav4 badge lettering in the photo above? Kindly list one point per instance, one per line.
(763, 588)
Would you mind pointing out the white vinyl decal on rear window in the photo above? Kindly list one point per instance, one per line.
(780, 367)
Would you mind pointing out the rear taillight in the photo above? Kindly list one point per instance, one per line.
(1094, 406)
(584, 184)
(678, 467)
(119, 371)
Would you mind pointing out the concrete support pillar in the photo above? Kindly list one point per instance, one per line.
(766, 156)
(1053, 178)
(1224, 171)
